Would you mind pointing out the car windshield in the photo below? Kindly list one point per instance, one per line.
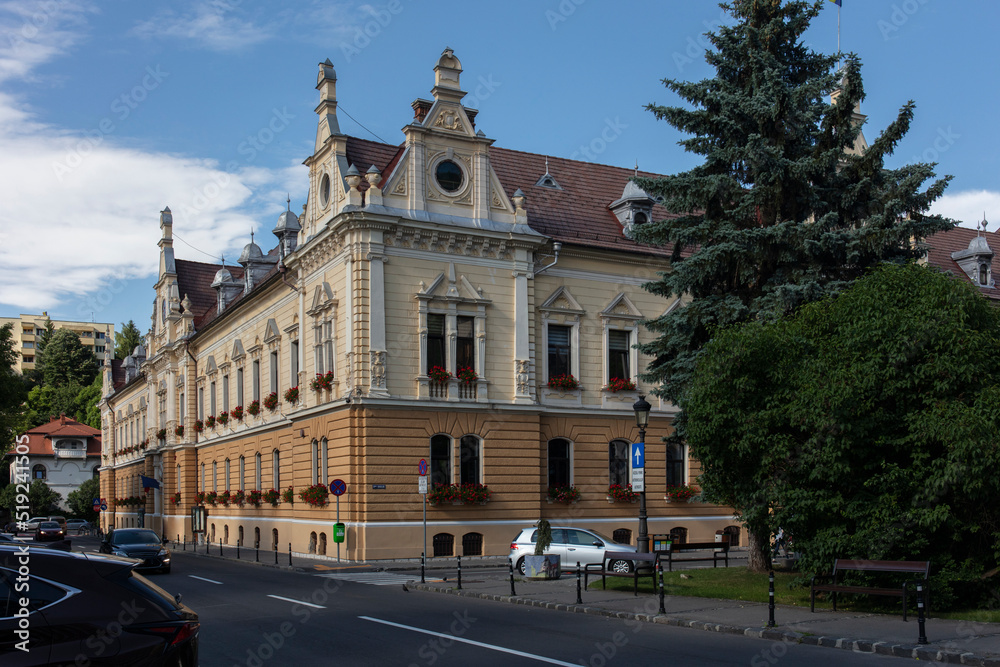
(48, 524)
(120, 537)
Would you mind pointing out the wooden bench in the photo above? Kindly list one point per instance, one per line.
(720, 551)
(642, 564)
(920, 568)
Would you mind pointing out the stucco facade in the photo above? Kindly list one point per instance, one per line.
(444, 251)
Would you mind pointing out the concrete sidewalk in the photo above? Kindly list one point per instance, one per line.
(949, 642)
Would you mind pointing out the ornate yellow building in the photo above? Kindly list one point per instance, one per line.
(430, 303)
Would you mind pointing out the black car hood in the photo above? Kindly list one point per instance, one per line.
(139, 549)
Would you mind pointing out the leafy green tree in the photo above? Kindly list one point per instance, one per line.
(87, 409)
(81, 501)
(12, 389)
(65, 360)
(784, 210)
(42, 500)
(127, 339)
(46, 401)
(865, 425)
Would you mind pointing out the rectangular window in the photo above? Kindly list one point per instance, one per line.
(255, 381)
(619, 343)
(315, 462)
(328, 345)
(201, 402)
(294, 364)
(469, 459)
(181, 408)
(435, 341)
(239, 386)
(203, 487)
(318, 348)
(274, 372)
(323, 461)
(275, 471)
(225, 393)
(559, 351)
(465, 350)
(675, 465)
(257, 472)
(440, 460)
(243, 473)
(215, 475)
(211, 399)
(559, 462)
(228, 481)
(618, 452)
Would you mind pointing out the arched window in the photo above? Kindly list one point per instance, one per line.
(444, 544)
(312, 542)
(228, 481)
(240, 538)
(472, 544)
(177, 479)
(274, 539)
(679, 535)
(256, 472)
(440, 460)
(243, 474)
(469, 460)
(315, 462)
(322, 544)
(256, 538)
(618, 462)
(559, 463)
(215, 475)
(38, 472)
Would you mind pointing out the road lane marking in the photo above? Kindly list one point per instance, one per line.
(374, 578)
(492, 647)
(308, 604)
(211, 581)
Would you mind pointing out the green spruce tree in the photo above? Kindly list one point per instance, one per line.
(12, 390)
(784, 210)
(127, 339)
(66, 361)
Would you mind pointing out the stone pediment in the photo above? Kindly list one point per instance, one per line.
(323, 298)
(450, 288)
(621, 308)
(562, 301)
(238, 351)
(271, 331)
(211, 366)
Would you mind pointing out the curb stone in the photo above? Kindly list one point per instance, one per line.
(913, 651)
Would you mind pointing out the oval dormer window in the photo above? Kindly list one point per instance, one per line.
(449, 176)
(324, 191)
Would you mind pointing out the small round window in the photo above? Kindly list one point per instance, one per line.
(449, 176)
(324, 191)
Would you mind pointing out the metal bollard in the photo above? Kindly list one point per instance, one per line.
(208, 543)
(289, 554)
(220, 546)
(510, 565)
(237, 549)
(423, 565)
(922, 636)
(276, 553)
(256, 551)
(659, 567)
(184, 544)
(579, 598)
(770, 599)
(459, 572)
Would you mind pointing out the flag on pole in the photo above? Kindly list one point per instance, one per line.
(836, 2)
(149, 482)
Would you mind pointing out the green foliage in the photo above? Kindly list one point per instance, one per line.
(865, 426)
(127, 339)
(66, 361)
(41, 499)
(81, 501)
(783, 211)
(87, 410)
(544, 538)
(12, 389)
(45, 401)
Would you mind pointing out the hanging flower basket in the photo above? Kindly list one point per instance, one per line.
(563, 494)
(316, 495)
(322, 381)
(272, 496)
(237, 413)
(618, 384)
(254, 408)
(292, 395)
(467, 375)
(439, 375)
(271, 401)
(622, 494)
(563, 382)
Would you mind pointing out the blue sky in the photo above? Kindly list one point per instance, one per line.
(110, 111)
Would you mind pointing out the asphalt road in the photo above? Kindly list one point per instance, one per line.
(256, 616)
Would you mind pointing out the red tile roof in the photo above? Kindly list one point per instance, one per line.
(40, 437)
(943, 244)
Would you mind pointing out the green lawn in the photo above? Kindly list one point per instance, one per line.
(735, 583)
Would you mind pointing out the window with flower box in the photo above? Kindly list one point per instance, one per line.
(560, 470)
(470, 469)
(440, 469)
(275, 470)
(273, 372)
(436, 355)
(559, 351)
(257, 474)
(225, 393)
(239, 386)
(675, 465)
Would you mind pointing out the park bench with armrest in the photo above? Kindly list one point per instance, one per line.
(920, 568)
(642, 565)
(720, 551)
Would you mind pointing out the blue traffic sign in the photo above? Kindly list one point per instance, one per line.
(638, 455)
(422, 466)
(104, 507)
(338, 487)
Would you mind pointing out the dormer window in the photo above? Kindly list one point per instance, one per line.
(640, 219)
(547, 180)
(984, 274)
(449, 176)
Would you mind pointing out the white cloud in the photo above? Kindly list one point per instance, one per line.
(969, 207)
(81, 211)
(213, 25)
(36, 32)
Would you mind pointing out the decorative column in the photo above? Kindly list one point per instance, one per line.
(522, 320)
(376, 324)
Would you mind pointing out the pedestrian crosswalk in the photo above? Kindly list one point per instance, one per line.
(374, 578)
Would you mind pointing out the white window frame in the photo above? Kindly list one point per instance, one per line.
(574, 346)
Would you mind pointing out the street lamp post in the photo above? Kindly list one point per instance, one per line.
(641, 409)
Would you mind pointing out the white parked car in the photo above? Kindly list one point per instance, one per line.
(574, 545)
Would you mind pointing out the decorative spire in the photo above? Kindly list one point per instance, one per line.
(637, 168)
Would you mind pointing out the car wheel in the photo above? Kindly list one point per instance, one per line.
(621, 566)
(521, 567)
